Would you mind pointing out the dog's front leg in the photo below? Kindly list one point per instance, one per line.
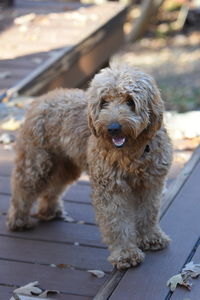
(116, 222)
(149, 234)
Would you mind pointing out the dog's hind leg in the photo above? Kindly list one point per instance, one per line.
(29, 178)
(50, 203)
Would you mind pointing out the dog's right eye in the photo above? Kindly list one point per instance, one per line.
(130, 102)
(103, 104)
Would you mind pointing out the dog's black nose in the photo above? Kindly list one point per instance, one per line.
(114, 128)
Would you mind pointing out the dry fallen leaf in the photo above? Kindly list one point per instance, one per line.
(31, 289)
(11, 124)
(97, 273)
(175, 280)
(6, 138)
(62, 266)
(191, 270)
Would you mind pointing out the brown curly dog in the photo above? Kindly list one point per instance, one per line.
(115, 131)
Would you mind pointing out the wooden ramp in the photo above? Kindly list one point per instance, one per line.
(48, 44)
(58, 254)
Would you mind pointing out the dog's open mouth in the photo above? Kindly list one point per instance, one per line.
(118, 141)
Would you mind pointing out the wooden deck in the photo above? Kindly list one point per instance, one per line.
(60, 44)
(58, 254)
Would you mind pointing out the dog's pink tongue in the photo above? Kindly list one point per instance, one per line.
(118, 142)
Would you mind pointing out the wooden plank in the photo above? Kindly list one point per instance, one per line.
(106, 30)
(21, 62)
(85, 65)
(67, 281)
(180, 180)
(4, 185)
(79, 212)
(6, 168)
(39, 252)
(58, 231)
(79, 193)
(110, 284)
(194, 294)
(181, 222)
(6, 294)
(76, 193)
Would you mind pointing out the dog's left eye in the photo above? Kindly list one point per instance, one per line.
(130, 102)
(103, 104)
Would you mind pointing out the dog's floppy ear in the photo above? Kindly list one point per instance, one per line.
(93, 107)
(156, 107)
(91, 126)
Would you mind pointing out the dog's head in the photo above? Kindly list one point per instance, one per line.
(125, 106)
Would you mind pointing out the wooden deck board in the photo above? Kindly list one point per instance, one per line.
(76, 193)
(64, 280)
(81, 213)
(6, 294)
(47, 253)
(61, 232)
(182, 223)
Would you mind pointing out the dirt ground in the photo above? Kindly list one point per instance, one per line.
(174, 60)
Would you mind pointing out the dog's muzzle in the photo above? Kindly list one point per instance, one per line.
(115, 129)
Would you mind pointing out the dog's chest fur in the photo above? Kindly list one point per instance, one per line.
(117, 166)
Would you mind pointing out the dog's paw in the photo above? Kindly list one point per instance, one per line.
(20, 224)
(153, 240)
(50, 214)
(126, 258)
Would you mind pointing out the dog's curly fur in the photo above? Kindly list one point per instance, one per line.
(115, 131)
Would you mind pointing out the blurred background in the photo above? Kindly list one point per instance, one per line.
(50, 44)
